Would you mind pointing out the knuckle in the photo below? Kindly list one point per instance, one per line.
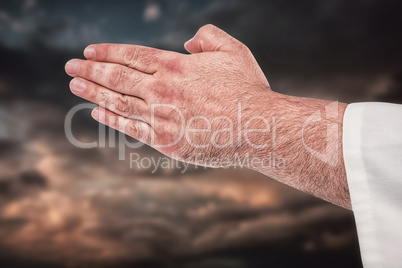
(128, 107)
(122, 104)
(241, 46)
(130, 56)
(96, 71)
(103, 98)
(135, 129)
(207, 31)
(207, 28)
(116, 76)
(135, 78)
(174, 64)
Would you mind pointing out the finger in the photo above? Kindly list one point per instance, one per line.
(114, 76)
(210, 38)
(137, 129)
(143, 59)
(124, 105)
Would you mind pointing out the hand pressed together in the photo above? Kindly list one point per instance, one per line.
(177, 103)
(214, 103)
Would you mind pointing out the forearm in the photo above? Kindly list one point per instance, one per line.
(306, 140)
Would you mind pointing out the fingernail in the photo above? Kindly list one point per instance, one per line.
(100, 113)
(185, 44)
(78, 85)
(95, 113)
(90, 53)
(72, 67)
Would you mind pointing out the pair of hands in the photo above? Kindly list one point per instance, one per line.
(177, 103)
(214, 103)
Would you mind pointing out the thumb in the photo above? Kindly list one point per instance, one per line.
(210, 38)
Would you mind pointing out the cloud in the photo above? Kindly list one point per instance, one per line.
(65, 203)
(152, 12)
(305, 50)
(392, 92)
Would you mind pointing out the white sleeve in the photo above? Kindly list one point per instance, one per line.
(372, 147)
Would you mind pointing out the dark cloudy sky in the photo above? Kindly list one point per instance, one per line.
(65, 206)
(346, 50)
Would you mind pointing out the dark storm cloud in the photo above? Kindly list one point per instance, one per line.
(394, 94)
(329, 49)
(64, 203)
(341, 34)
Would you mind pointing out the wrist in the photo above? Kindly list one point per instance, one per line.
(260, 121)
(301, 131)
(304, 146)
